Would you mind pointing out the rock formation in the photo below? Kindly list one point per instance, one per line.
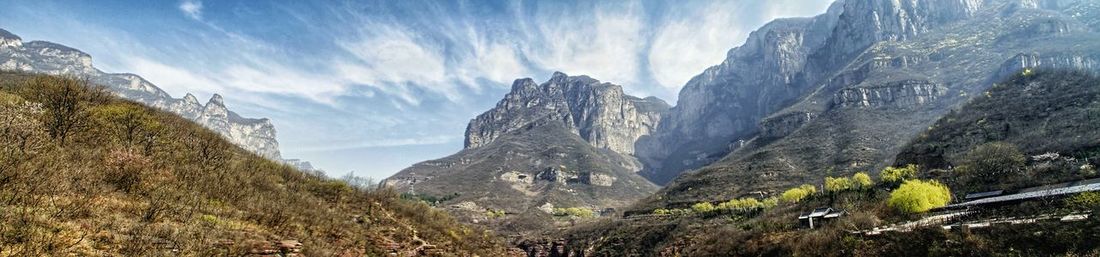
(564, 143)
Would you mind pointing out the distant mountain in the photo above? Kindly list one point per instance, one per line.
(831, 95)
(255, 135)
(565, 143)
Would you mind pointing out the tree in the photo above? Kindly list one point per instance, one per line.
(862, 181)
(835, 185)
(22, 136)
(795, 195)
(65, 101)
(915, 196)
(129, 123)
(703, 207)
(895, 175)
(991, 163)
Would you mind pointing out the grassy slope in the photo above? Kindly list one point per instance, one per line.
(134, 181)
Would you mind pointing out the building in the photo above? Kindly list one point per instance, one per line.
(819, 216)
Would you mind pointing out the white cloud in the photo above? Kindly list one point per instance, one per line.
(683, 47)
(192, 8)
(607, 45)
(176, 81)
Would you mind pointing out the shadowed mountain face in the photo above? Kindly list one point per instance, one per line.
(841, 92)
(255, 135)
(565, 143)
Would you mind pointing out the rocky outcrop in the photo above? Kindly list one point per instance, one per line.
(906, 93)
(600, 113)
(783, 125)
(255, 135)
(1054, 61)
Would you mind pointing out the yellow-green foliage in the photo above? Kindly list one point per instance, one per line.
(862, 180)
(897, 175)
(494, 213)
(833, 185)
(795, 195)
(770, 202)
(1084, 201)
(741, 205)
(662, 211)
(575, 212)
(916, 196)
(703, 207)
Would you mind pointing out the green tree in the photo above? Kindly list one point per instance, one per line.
(915, 196)
(862, 180)
(897, 175)
(991, 163)
(703, 207)
(795, 195)
(835, 185)
(129, 123)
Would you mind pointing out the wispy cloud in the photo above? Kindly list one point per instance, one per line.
(342, 75)
(192, 8)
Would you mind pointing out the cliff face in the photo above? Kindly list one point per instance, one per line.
(600, 113)
(724, 103)
(870, 75)
(256, 135)
(565, 143)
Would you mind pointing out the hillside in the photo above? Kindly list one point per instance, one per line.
(546, 156)
(1048, 117)
(87, 174)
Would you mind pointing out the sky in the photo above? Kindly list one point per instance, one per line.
(372, 87)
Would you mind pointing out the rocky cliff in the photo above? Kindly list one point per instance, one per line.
(256, 135)
(565, 143)
(866, 77)
(600, 113)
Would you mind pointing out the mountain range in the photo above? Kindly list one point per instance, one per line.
(255, 135)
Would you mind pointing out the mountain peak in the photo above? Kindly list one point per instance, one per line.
(6, 35)
(216, 99)
(191, 99)
(598, 112)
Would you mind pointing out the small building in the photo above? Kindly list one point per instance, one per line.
(819, 216)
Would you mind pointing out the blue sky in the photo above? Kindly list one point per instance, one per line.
(375, 86)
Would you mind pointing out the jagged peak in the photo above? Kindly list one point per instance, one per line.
(216, 99)
(191, 99)
(51, 45)
(6, 35)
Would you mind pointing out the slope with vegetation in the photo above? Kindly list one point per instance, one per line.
(967, 151)
(84, 173)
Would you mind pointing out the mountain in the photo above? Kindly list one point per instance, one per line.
(842, 92)
(565, 143)
(145, 182)
(256, 135)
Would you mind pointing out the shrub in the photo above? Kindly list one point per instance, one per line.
(662, 211)
(834, 185)
(916, 196)
(991, 163)
(896, 175)
(1084, 201)
(574, 212)
(795, 195)
(703, 207)
(741, 205)
(862, 180)
(492, 214)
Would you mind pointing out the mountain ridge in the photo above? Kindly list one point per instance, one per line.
(256, 135)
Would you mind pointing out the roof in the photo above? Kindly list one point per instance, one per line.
(824, 212)
(1033, 194)
(971, 196)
